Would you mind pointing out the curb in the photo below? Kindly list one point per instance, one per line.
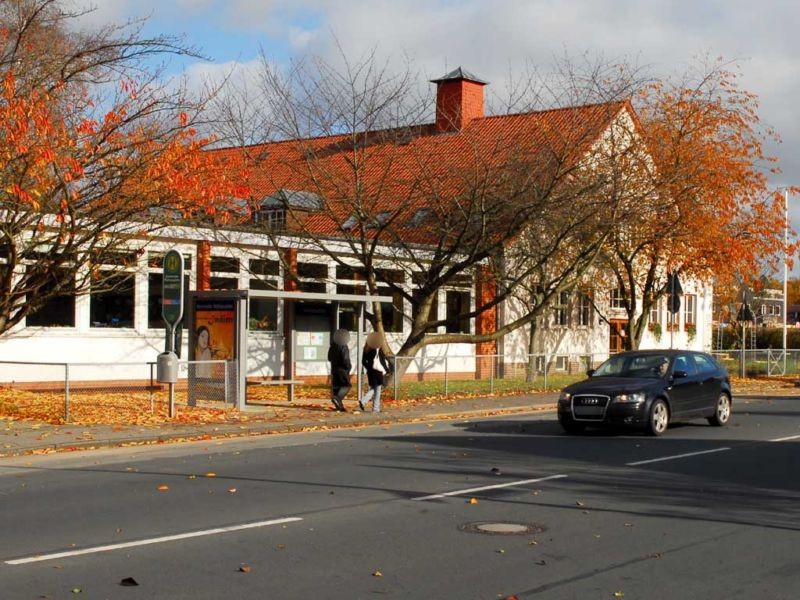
(300, 427)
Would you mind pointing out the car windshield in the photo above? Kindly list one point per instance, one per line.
(634, 365)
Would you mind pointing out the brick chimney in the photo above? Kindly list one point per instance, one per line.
(459, 100)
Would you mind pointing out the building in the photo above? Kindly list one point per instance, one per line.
(123, 324)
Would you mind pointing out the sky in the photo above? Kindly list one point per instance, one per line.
(491, 38)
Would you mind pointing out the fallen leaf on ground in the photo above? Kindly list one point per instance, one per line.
(473, 501)
(244, 568)
(163, 488)
(579, 503)
(231, 490)
(377, 574)
(129, 581)
(192, 477)
(211, 474)
(619, 594)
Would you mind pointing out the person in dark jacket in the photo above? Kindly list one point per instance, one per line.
(339, 357)
(377, 366)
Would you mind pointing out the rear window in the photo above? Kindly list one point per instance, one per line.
(705, 364)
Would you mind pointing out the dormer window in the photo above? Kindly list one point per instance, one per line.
(273, 219)
(349, 224)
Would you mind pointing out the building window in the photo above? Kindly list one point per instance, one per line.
(617, 298)
(689, 308)
(273, 219)
(584, 310)
(224, 264)
(224, 283)
(561, 310)
(264, 267)
(312, 270)
(458, 305)
(655, 312)
(59, 309)
(562, 363)
(112, 302)
(224, 273)
(263, 311)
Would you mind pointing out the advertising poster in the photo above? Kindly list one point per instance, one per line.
(214, 334)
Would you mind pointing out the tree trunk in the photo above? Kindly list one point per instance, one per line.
(531, 374)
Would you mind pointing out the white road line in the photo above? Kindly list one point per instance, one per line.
(488, 487)
(674, 456)
(786, 439)
(158, 540)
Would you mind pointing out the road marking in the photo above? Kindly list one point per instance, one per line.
(786, 439)
(674, 456)
(488, 487)
(158, 540)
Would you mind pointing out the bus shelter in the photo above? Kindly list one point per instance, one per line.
(309, 319)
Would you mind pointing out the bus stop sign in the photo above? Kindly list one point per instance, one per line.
(172, 290)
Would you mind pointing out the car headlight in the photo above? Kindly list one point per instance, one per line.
(631, 398)
(564, 397)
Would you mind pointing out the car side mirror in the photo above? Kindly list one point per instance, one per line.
(680, 374)
(590, 372)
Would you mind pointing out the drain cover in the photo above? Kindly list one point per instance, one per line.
(502, 528)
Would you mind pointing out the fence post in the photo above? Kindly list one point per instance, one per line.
(66, 392)
(491, 374)
(225, 382)
(546, 364)
(445, 375)
(152, 401)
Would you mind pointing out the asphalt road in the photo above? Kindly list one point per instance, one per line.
(388, 512)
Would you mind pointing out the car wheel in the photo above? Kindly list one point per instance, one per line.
(658, 420)
(571, 426)
(722, 411)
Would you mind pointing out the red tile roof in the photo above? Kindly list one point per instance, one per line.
(402, 171)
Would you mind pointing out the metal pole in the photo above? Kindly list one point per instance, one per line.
(66, 392)
(744, 345)
(171, 400)
(358, 348)
(152, 403)
(785, 268)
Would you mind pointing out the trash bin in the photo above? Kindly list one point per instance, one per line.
(167, 367)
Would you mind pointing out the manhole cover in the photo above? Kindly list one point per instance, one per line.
(502, 528)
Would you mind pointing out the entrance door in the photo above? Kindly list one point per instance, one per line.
(617, 335)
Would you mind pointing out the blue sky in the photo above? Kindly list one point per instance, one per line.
(492, 37)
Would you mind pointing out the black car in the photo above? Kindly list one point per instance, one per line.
(648, 389)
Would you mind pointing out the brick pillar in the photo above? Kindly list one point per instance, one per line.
(485, 322)
(290, 256)
(203, 266)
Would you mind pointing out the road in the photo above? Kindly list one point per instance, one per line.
(391, 512)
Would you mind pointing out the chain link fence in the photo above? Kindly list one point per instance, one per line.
(760, 363)
(85, 392)
(420, 377)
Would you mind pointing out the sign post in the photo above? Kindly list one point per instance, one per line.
(172, 307)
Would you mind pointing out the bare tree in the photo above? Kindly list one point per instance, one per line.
(516, 199)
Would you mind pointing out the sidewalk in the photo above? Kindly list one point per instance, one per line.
(26, 437)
